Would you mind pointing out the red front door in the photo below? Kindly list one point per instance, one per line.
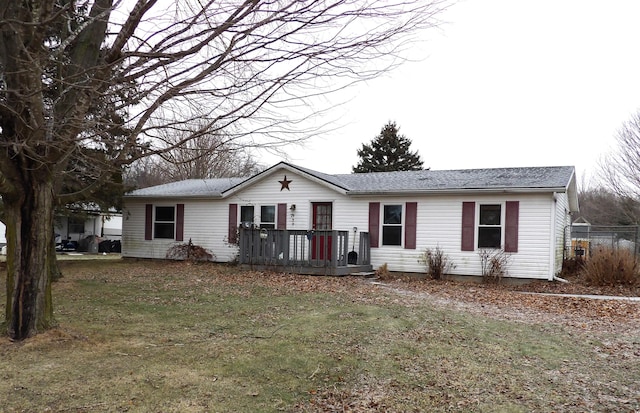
(322, 221)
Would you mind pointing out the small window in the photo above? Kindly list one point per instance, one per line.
(164, 224)
(246, 215)
(76, 225)
(392, 225)
(268, 216)
(490, 226)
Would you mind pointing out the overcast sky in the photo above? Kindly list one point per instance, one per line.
(504, 83)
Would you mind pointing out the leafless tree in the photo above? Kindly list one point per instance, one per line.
(202, 157)
(206, 156)
(600, 206)
(87, 87)
(144, 173)
(619, 170)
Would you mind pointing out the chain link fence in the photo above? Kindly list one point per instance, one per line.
(581, 240)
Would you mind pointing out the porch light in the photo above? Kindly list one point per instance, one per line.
(263, 233)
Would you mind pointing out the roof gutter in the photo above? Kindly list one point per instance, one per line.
(456, 191)
(178, 196)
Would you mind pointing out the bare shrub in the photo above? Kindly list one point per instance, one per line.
(383, 272)
(436, 262)
(608, 266)
(190, 252)
(494, 264)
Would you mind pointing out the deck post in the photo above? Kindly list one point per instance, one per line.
(283, 246)
(335, 251)
(364, 249)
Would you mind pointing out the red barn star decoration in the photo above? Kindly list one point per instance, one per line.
(285, 183)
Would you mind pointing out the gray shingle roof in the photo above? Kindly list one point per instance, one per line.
(461, 179)
(205, 188)
(543, 178)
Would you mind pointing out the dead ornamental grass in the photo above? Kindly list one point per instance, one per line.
(177, 337)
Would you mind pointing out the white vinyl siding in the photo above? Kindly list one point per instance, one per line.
(562, 220)
(439, 225)
(205, 223)
(439, 220)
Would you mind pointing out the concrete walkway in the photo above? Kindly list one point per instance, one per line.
(593, 297)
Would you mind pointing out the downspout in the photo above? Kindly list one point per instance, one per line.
(552, 240)
(564, 244)
(556, 278)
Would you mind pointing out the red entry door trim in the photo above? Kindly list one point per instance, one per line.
(322, 221)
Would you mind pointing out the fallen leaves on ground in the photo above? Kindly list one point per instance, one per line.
(526, 303)
(607, 323)
(504, 301)
(529, 302)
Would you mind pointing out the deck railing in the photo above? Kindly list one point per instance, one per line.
(300, 248)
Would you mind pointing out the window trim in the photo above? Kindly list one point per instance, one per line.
(402, 224)
(155, 221)
(253, 214)
(271, 224)
(501, 226)
(256, 218)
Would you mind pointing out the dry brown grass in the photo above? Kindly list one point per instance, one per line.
(611, 267)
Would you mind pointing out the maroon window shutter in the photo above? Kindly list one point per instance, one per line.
(282, 216)
(148, 222)
(411, 222)
(512, 213)
(233, 223)
(374, 223)
(468, 225)
(180, 222)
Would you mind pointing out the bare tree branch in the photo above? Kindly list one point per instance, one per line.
(620, 169)
(89, 87)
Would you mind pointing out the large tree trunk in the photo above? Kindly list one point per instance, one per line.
(29, 219)
(54, 269)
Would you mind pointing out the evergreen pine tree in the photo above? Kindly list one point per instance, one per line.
(388, 151)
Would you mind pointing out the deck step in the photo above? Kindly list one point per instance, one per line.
(364, 273)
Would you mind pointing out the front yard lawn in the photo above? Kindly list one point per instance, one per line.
(151, 336)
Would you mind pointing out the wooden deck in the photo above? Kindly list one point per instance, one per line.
(304, 252)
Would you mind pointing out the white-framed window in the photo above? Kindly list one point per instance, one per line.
(490, 226)
(247, 215)
(392, 224)
(266, 219)
(268, 216)
(164, 222)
